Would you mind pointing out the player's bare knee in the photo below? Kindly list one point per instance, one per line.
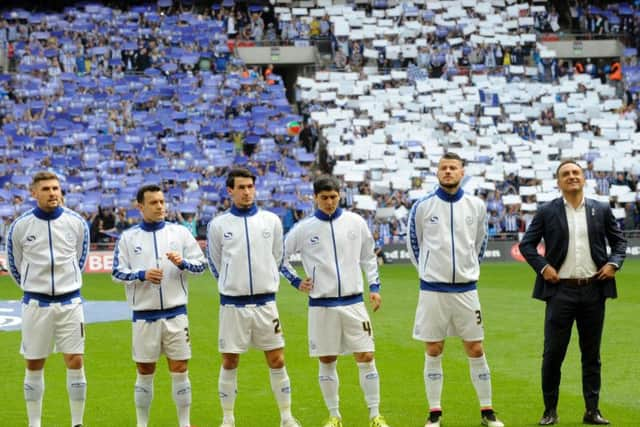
(328, 359)
(73, 361)
(365, 357)
(35, 364)
(177, 366)
(434, 349)
(230, 361)
(146, 368)
(275, 360)
(474, 348)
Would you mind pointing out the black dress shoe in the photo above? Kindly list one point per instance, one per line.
(593, 416)
(549, 417)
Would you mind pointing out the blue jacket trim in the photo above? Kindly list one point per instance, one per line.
(243, 212)
(44, 300)
(447, 197)
(11, 258)
(44, 215)
(374, 287)
(292, 278)
(115, 272)
(212, 265)
(413, 237)
(244, 300)
(335, 302)
(85, 239)
(152, 226)
(194, 268)
(448, 287)
(324, 217)
(153, 315)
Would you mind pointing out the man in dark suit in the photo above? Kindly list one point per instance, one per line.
(574, 277)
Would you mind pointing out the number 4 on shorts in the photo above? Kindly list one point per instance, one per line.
(366, 326)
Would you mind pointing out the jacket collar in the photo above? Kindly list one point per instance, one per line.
(324, 217)
(443, 195)
(244, 212)
(41, 214)
(152, 226)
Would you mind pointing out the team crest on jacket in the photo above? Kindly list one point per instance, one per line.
(68, 236)
(469, 220)
(351, 235)
(31, 238)
(434, 219)
(314, 240)
(266, 233)
(137, 250)
(227, 235)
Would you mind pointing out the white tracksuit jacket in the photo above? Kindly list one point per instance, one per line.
(144, 246)
(447, 239)
(244, 250)
(47, 251)
(335, 250)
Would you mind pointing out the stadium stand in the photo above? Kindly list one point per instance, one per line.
(110, 98)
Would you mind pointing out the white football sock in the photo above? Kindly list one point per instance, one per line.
(227, 390)
(281, 387)
(329, 385)
(143, 395)
(481, 378)
(433, 380)
(77, 389)
(181, 391)
(370, 384)
(33, 392)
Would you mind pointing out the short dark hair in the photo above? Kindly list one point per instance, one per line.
(239, 172)
(149, 188)
(567, 162)
(452, 156)
(43, 176)
(326, 183)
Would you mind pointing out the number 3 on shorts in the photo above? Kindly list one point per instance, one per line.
(478, 317)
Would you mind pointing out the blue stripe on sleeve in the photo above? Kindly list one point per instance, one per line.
(413, 237)
(85, 238)
(292, 278)
(212, 265)
(485, 240)
(126, 277)
(194, 268)
(13, 268)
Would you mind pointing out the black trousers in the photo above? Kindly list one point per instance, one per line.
(586, 306)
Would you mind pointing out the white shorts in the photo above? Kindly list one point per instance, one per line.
(162, 336)
(443, 314)
(255, 326)
(55, 328)
(339, 330)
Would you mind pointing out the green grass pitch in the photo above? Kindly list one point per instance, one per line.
(513, 326)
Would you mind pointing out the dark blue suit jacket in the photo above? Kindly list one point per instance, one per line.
(550, 224)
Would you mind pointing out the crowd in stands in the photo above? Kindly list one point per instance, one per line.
(110, 99)
(602, 19)
(478, 83)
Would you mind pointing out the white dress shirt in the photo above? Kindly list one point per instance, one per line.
(578, 263)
